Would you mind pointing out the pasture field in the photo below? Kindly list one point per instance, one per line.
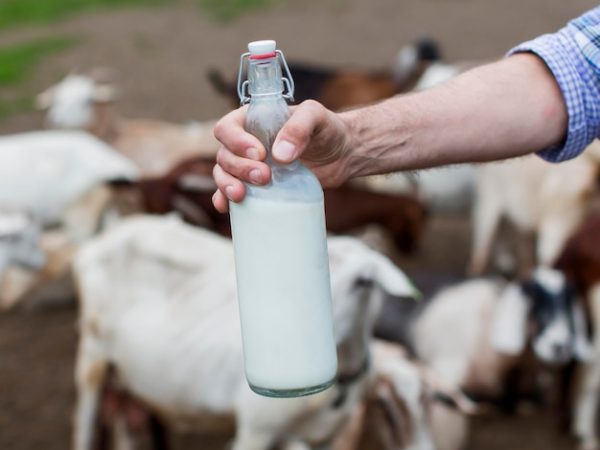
(14, 13)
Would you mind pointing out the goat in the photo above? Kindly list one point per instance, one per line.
(80, 102)
(58, 179)
(338, 89)
(46, 172)
(158, 306)
(188, 190)
(400, 408)
(580, 261)
(19, 235)
(535, 196)
(49, 282)
(348, 207)
(481, 334)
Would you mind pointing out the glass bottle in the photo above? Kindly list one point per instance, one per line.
(280, 245)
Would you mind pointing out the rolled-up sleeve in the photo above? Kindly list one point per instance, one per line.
(573, 56)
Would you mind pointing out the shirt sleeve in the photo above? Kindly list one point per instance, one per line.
(573, 56)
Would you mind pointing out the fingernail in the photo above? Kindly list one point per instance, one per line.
(252, 153)
(255, 176)
(229, 192)
(284, 151)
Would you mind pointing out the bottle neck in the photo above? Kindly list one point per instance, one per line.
(264, 78)
(268, 110)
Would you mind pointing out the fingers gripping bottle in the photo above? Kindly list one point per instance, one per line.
(281, 260)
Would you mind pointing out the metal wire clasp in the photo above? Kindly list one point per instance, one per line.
(242, 86)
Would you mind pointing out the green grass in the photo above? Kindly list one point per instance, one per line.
(18, 12)
(17, 65)
(22, 12)
(18, 61)
(226, 10)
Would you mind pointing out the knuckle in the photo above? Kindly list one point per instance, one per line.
(219, 129)
(220, 156)
(295, 132)
(216, 172)
(314, 107)
(310, 103)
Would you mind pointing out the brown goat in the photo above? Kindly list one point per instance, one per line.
(580, 261)
(580, 258)
(343, 88)
(189, 187)
(348, 207)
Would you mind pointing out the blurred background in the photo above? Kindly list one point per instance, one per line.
(157, 55)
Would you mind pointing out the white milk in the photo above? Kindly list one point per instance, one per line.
(282, 273)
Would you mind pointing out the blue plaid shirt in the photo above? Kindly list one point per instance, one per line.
(573, 56)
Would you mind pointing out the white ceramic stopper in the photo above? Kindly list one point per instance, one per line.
(262, 47)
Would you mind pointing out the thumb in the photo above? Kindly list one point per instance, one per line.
(296, 134)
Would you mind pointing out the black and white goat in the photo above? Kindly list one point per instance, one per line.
(480, 334)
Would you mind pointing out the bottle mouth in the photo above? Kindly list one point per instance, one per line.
(264, 56)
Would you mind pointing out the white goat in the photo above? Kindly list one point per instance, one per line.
(43, 283)
(158, 304)
(19, 235)
(535, 196)
(80, 102)
(399, 410)
(472, 334)
(57, 178)
(46, 172)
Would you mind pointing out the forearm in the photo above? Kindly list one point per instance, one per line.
(501, 110)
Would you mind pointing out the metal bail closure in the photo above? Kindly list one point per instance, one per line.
(242, 85)
(288, 82)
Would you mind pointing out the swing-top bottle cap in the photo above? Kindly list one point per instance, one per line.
(262, 49)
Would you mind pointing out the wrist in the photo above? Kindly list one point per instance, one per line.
(380, 137)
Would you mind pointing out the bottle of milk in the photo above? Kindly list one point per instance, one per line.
(280, 245)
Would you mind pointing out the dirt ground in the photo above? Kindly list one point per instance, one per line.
(162, 56)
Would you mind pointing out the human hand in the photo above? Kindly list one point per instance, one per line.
(321, 138)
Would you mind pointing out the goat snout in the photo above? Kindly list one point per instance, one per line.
(555, 345)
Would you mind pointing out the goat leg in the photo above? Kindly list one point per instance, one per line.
(159, 433)
(486, 217)
(90, 373)
(123, 439)
(586, 409)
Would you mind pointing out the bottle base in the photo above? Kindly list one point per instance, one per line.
(290, 393)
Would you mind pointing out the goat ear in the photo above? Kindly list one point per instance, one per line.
(105, 93)
(391, 279)
(509, 322)
(582, 345)
(44, 99)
